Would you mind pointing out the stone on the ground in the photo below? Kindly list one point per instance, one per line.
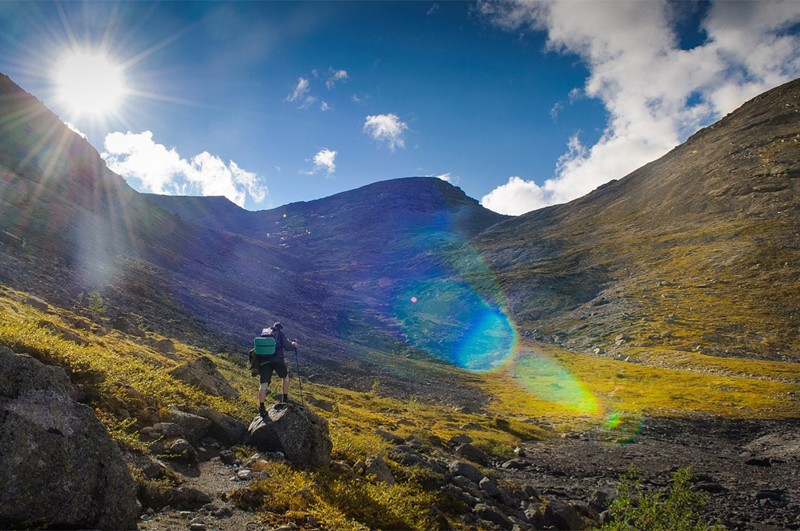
(192, 427)
(561, 515)
(296, 431)
(375, 466)
(203, 374)
(224, 428)
(472, 453)
(58, 466)
(460, 468)
(490, 513)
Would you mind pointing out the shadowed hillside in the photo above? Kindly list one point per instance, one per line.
(697, 251)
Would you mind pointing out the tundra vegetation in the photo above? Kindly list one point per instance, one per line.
(125, 378)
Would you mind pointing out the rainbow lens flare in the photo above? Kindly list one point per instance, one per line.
(550, 381)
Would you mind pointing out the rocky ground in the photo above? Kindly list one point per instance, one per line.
(749, 469)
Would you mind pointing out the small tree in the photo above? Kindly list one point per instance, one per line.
(95, 304)
(680, 509)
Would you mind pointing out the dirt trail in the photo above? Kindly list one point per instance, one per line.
(216, 479)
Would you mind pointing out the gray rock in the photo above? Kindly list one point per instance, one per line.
(228, 457)
(375, 466)
(460, 468)
(295, 430)
(192, 427)
(492, 514)
(203, 374)
(460, 439)
(471, 453)
(562, 515)
(181, 449)
(467, 486)
(408, 456)
(516, 464)
(58, 466)
(460, 494)
(165, 346)
(388, 436)
(224, 428)
(489, 486)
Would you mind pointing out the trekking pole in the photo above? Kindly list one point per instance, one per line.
(299, 376)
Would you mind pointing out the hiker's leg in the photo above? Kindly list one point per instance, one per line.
(265, 377)
(283, 372)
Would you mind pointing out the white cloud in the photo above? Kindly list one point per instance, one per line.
(300, 94)
(75, 130)
(324, 106)
(386, 128)
(515, 197)
(324, 161)
(335, 77)
(163, 171)
(656, 93)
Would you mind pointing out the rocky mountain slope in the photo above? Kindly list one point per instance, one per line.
(70, 227)
(698, 250)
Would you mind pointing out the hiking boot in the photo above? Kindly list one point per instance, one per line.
(262, 410)
(285, 399)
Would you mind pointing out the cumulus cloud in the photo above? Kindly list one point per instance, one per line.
(324, 161)
(655, 92)
(515, 197)
(161, 170)
(386, 128)
(335, 76)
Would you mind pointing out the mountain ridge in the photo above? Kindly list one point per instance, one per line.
(341, 269)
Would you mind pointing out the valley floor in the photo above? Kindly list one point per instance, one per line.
(750, 469)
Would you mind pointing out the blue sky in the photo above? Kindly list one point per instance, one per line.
(521, 104)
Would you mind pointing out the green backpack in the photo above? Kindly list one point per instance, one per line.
(265, 345)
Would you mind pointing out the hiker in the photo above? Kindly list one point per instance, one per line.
(267, 363)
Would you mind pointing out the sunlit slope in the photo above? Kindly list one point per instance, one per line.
(698, 251)
(126, 379)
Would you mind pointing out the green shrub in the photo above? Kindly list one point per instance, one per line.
(680, 509)
(95, 305)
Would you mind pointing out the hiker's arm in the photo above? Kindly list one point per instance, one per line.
(288, 344)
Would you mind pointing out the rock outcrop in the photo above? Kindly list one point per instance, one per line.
(203, 374)
(58, 466)
(296, 431)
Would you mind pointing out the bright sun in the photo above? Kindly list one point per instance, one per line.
(89, 83)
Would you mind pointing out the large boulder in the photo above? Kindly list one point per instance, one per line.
(193, 427)
(59, 468)
(203, 374)
(295, 430)
(224, 428)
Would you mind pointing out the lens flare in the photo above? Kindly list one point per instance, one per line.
(453, 322)
(549, 380)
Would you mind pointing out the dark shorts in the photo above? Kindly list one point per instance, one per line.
(265, 370)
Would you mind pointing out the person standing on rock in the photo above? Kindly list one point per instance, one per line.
(272, 362)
